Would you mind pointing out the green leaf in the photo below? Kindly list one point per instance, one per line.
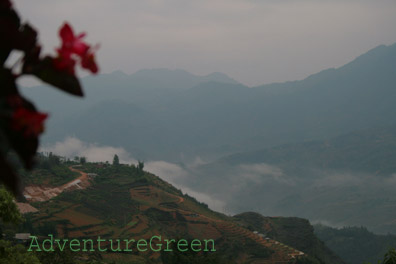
(62, 80)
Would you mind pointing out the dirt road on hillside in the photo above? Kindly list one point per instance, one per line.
(42, 193)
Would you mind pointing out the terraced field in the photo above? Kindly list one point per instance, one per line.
(122, 206)
(282, 253)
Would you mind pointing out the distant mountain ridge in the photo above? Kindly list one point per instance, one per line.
(175, 79)
(213, 115)
(367, 151)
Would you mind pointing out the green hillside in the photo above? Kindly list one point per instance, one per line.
(123, 201)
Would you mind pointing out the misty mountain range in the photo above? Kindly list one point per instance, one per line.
(165, 114)
(311, 148)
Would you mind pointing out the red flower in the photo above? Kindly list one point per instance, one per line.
(73, 49)
(71, 43)
(31, 123)
(88, 62)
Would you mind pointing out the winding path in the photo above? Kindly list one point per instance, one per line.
(41, 194)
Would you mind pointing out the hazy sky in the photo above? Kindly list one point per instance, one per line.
(253, 41)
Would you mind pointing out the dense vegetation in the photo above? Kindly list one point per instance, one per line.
(49, 170)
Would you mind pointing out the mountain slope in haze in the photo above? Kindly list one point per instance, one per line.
(293, 231)
(144, 86)
(368, 151)
(356, 245)
(125, 202)
(213, 115)
(346, 180)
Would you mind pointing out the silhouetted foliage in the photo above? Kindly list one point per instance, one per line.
(140, 166)
(9, 212)
(16, 254)
(390, 257)
(116, 160)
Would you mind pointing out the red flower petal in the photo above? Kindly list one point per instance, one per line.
(66, 33)
(81, 35)
(88, 62)
(72, 43)
(64, 64)
(79, 48)
(73, 48)
(31, 123)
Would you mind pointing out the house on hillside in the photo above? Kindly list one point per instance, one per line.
(22, 237)
(25, 208)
